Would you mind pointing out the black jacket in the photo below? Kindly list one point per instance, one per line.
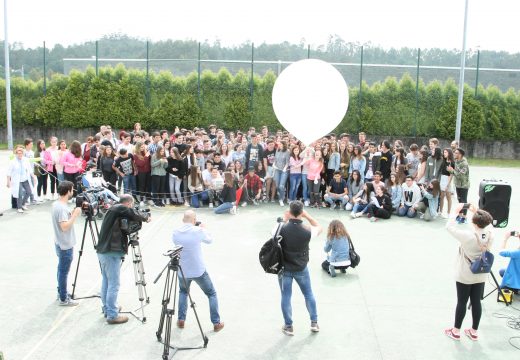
(111, 238)
(295, 245)
(176, 164)
(228, 194)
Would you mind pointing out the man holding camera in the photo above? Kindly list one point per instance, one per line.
(295, 246)
(111, 248)
(64, 238)
(190, 236)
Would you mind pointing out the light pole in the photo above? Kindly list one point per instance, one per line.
(461, 78)
(7, 83)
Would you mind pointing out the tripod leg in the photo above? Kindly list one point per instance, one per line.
(79, 259)
(165, 301)
(499, 288)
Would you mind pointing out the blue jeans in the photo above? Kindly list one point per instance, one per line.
(110, 270)
(331, 199)
(305, 190)
(224, 208)
(206, 286)
(304, 282)
(64, 262)
(294, 181)
(406, 211)
(198, 197)
(360, 208)
(129, 184)
(280, 179)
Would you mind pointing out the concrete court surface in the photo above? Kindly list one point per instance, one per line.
(395, 305)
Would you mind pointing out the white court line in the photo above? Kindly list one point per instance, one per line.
(96, 285)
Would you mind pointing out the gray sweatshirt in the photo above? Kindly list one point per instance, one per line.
(281, 159)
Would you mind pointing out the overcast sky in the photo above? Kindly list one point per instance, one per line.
(493, 25)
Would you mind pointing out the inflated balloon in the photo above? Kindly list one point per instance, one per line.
(310, 98)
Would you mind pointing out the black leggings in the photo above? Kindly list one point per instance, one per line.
(54, 180)
(377, 212)
(473, 292)
(462, 195)
(144, 184)
(42, 183)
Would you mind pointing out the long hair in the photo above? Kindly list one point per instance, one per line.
(176, 153)
(359, 151)
(293, 155)
(229, 179)
(75, 149)
(137, 149)
(158, 153)
(437, 153)
(399, 154)
(370, 189)
(337, 230)
(194, 174)
(358, 177)
(112, 154)
(400, 176)
(450, 156)
(436, 187)
(424, 155)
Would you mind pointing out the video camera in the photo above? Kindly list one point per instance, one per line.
(174, 253)
(88, 201)
(130, 227)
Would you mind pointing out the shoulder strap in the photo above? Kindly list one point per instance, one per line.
(350, 244)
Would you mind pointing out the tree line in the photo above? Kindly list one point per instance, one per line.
(120, 97)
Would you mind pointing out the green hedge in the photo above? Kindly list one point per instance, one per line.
(120, 97)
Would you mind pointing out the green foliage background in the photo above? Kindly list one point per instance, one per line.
(120, 97)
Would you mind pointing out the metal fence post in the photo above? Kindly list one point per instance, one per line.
(360, 88)
(198, 79)
(417, 93)
(251, 81)
(44, 69)
(147, 98)
(478, 67)
(97, 58)
(308, 51)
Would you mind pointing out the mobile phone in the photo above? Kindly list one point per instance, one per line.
(514, 233)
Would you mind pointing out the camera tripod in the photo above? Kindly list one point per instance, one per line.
(89, 219)
(498, 288)
(167, 313)
(140, 282)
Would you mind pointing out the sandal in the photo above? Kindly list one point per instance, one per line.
(469, 333)
(449, 333)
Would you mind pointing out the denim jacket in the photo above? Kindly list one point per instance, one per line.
(339, 250)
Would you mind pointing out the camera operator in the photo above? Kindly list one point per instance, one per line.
(111, 248)
(295, 245)
(511, 275)
(190, 236)
(64, 238)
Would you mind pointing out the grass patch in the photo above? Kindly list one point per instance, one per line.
(501, 163)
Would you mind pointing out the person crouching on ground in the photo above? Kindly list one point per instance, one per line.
(430, 200)
(337, 248)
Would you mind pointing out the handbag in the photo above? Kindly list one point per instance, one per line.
(483, 263)
(354, 256)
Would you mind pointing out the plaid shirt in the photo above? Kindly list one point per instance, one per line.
(152, 148)
(253, 182)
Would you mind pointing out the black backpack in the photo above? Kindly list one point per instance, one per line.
(271, 254)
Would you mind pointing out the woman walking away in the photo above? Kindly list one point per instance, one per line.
(18, 176)
(474, 238)
(337, 249)
(229, 196)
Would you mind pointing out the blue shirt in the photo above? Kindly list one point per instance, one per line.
(512, 275)
(191, 237)
(339, 250)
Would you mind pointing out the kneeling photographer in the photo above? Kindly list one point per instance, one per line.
(120, 221)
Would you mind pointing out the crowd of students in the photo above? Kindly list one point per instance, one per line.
(222, 170)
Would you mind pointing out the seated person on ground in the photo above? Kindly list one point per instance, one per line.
(337, 191)
(215, 187)
(381, 206)
(411, 196)
(430, 200)
(354, 185)
(337, 249)
(362, 199)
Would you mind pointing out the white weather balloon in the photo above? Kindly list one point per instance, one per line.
(310, 98)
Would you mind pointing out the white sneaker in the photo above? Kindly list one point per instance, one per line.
(353, 215)
(244, 204)
(186, 203)
(68, 302)
(315, 327)
(359, 214)
(444, 216)
(233, 210)
(211, 205)
(25, 208)
(281, 203)
(20, 211)
(307, 203)
(141, 204)
(150, 202)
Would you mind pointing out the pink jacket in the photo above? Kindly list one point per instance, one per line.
(314, 171)
(71, 164)
(46, 160)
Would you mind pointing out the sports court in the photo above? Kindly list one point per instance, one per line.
(394, 305)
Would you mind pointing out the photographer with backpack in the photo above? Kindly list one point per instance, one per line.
(295, 248)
